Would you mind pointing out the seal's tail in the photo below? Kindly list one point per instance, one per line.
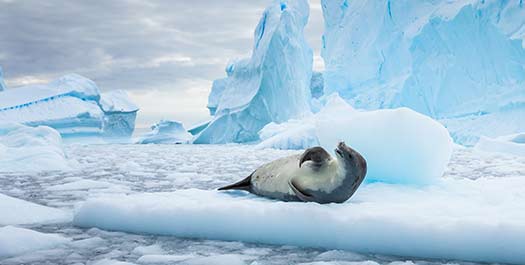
(244, 184)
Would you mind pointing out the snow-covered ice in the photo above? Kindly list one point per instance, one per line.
(385, 219)
(16, 212)
(73, 105)
(15, 241)
(426, 55)
(273, 85)
(475, 176)
(399, 145)
(166, 132)
(511, 144)
(24, 148)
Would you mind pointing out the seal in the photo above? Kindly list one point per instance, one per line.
(314, 176)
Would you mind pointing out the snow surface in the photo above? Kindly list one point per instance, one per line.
(15, 241)
(24, 148)
(168, 168)
(511, 144)
(271, 86)
(399, 145)
(425, 55)
(166, 132)
(72, 105)
(16, 212)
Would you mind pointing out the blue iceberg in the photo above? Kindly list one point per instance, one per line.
(456, 61)
(271, 86)
(2, 84)
(73, 105)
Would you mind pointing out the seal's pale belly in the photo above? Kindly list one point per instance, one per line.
(272, 179)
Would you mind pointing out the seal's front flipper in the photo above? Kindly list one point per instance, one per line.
(305, 197)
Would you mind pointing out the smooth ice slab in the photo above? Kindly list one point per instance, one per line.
(16, 241)
(14, 211)
(482, 220)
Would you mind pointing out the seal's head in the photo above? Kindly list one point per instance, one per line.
(316, 156)
(352, 161)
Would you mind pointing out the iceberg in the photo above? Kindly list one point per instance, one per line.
(271, 86)
(166, 132)
(317, 85)
(400, 145)
(449, 60)
(2, 83)
(217, 89)
(29, 149)
(73, 105)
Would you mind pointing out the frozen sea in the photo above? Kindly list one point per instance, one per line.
(114, 169)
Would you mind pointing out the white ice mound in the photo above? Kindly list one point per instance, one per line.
(15, 241)
(510, 144)
(271, 86)
(2, 83)
(24, 148)
(73, 105)
(400, 145)
(425, 55)
(16, 212)
(450, 221)
(166, 132)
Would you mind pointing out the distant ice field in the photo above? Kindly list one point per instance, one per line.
(133, 169)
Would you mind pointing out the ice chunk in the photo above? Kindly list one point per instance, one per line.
(271, 86)
(452, 220)
(510, 144)
(71, 104)
(16, 241)
(111, 262)
(16, 212)
(294, 134)
(148, 250)
(163, 259)
(24, 148)
(425, 56)
(399, 145)
(166, 132)
(2, 83)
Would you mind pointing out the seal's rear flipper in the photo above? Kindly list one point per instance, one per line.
(244, 184)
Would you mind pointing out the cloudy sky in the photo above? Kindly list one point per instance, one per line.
(164, 53)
